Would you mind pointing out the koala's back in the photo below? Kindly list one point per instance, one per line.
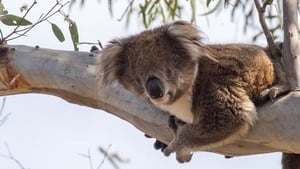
(244, 66)
(224, 93)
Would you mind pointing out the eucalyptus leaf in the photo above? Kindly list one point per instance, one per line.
(57, 32)
(13, 20)
(74, 35)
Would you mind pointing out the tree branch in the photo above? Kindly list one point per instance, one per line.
(74, 76)
(261, 10)
(291, 46)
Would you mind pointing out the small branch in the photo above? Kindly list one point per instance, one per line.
(89, 157)
(260, 11)
(113, 158)
(42, 18)
(26, 13)
(105, 155)
(5, 117)
(265, 4)
(11, 157)
(2, 106)
(126, 10)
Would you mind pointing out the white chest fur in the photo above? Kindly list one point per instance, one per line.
(181, 108)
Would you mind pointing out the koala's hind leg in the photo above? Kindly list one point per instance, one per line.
(221, 123)
(281, 85)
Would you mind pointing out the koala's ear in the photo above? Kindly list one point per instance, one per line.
(188, 36)
(110, 62)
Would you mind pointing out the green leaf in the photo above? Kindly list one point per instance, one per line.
(74, 35)
(13, 20)
(3, 11)
(57, 32)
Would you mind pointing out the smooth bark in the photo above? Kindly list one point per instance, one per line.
(291, 46)
(75, 77)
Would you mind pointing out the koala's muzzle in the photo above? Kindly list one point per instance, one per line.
(155, 88)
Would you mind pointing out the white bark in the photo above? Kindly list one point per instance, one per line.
(73, 76)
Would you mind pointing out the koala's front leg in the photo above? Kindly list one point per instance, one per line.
(221, 128)
(183, 154)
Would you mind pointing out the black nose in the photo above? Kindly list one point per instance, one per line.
(155, 88)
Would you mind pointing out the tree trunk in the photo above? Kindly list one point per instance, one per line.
(291, 47)
(291, 54)
(74, 76)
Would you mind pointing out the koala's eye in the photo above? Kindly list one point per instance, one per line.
(155, 88)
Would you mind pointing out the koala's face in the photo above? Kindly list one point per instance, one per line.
(159, 65)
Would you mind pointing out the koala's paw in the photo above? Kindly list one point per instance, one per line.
(183, 157)
(182, 154)
(273, 92)
(269, 94)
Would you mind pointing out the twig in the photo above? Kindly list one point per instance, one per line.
(2, 106)
(113, 158)
(87, 43)
(3, 119)
(11, 157)
(265, 4)
(105, 155)
(42, 18)
(125, 11)
(270, 41)
(89, 157)
(100, 44)
(26, 13)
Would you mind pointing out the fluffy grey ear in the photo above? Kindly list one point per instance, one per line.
(188, 36)
(109, 62)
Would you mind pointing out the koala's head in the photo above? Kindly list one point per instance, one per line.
(158, 64)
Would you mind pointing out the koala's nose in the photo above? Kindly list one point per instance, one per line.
(154, 88)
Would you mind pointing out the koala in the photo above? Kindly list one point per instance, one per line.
(213, 89)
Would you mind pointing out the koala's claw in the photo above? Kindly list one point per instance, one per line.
(274, 92)
(182, 155)
(270, 93)
(158, 145)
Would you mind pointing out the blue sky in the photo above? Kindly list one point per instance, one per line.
(47, 132)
